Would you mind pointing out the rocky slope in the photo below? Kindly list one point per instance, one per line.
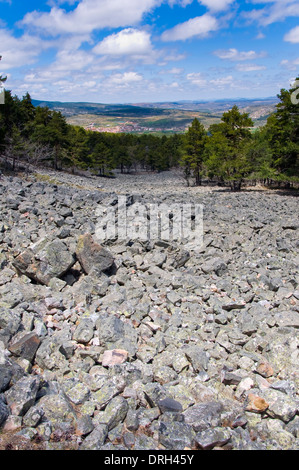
(147, 344)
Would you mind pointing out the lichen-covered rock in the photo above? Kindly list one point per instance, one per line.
(176, 435)
(92, 255)
(78, 394)
(113, 333)
(45, 260)
(22, 395)
(281, 406)
(210, 438)
(57, 410)
(84, 331)
(147, 345)
(96, 439)
(4, 412)
(115, 412)
(6, 373)
(49, 355)
(109, 389)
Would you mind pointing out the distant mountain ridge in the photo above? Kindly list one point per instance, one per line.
(135, 109)
(161, 117)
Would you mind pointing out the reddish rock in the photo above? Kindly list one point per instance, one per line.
(264, 369)
(256, 404)
(113, 357)
(26, 347)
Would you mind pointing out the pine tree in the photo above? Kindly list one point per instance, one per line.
(227, 147)
(50, 128)
(283, 134)
(259, 156)
(78, 150)
(27, 115)
(101, 159)
(194, 151)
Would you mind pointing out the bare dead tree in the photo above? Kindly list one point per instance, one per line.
(37, 154)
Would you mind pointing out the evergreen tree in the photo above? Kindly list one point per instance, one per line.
(227, 147)
(78, 150)
(27, 115)
(229, 151)
(283, 134)
(194, 154)
(101, 159)
(259, 156)
(50, 128)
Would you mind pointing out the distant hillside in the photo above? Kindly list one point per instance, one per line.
(158, 118)
(217, 106)
(71, 109)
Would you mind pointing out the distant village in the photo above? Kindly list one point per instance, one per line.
(130, 127)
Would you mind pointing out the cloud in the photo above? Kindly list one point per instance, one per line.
(89, 15)
(213, 84)
(196, 79)
(175, 71)
(60, 2)
(293, 35)
(260, 35)
(276, 11)
(250, 67)
(290, 64)
(70, 63)
(216, 5)
(19, 51)
(127, 42)
(235, 55)
(66, 85)
(182, 3)
(133, 45)
(125, 78)
(171, 56)
(212, 5)
(223, 81)
(200, 26)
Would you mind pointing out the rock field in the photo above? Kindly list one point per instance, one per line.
(147, 345)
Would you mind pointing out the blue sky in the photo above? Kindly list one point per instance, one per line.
(122, 51)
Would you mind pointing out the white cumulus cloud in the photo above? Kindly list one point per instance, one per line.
(293, 35)
(235, 55)
(200, 26)
(90, 15)
(127, 42)
(125, 78)
(19, 51)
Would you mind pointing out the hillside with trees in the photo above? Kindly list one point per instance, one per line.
(230, 152)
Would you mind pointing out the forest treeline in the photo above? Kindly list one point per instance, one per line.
(40, 136)
(229, 152)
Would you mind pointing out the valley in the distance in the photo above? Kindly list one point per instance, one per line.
(157, 118)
